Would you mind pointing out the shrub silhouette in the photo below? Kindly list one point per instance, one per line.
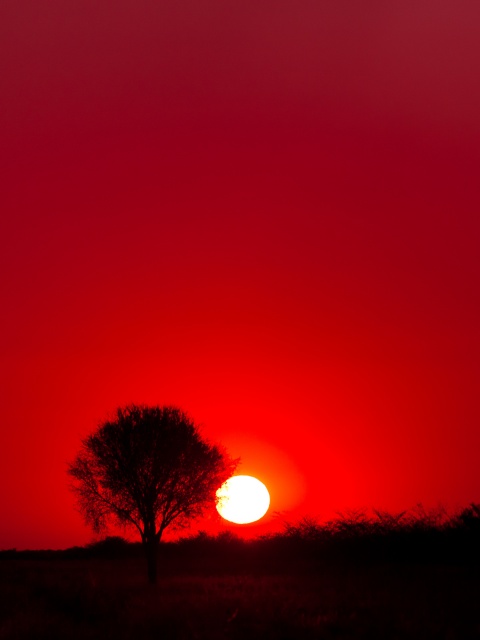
(470, 517)
(109, 547)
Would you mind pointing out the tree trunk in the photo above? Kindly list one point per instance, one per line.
(151, 550)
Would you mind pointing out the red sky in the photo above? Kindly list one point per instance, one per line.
(266, 213)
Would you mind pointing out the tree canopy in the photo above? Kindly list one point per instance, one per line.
(148, 468)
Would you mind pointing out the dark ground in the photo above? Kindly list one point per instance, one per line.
(419, 583)
(96, 598)
(109, 598)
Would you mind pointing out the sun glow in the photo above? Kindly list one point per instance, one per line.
(242, 499)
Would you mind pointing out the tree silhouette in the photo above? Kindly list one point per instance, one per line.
(148, 468)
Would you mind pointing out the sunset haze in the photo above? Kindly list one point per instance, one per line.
(267, 214)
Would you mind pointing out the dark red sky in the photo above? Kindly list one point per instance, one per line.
(267, 213)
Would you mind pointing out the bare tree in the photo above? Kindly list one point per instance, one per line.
(149, 468)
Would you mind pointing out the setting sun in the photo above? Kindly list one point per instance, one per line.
(243, 499)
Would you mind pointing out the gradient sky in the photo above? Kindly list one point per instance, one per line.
(267, 213)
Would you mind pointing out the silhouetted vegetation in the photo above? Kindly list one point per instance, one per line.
(354, 538)
(148, 469)
(412, 575)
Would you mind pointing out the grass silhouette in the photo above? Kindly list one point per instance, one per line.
(412, 575)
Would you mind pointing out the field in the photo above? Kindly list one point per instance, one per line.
(73, 598)
(383, 577)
